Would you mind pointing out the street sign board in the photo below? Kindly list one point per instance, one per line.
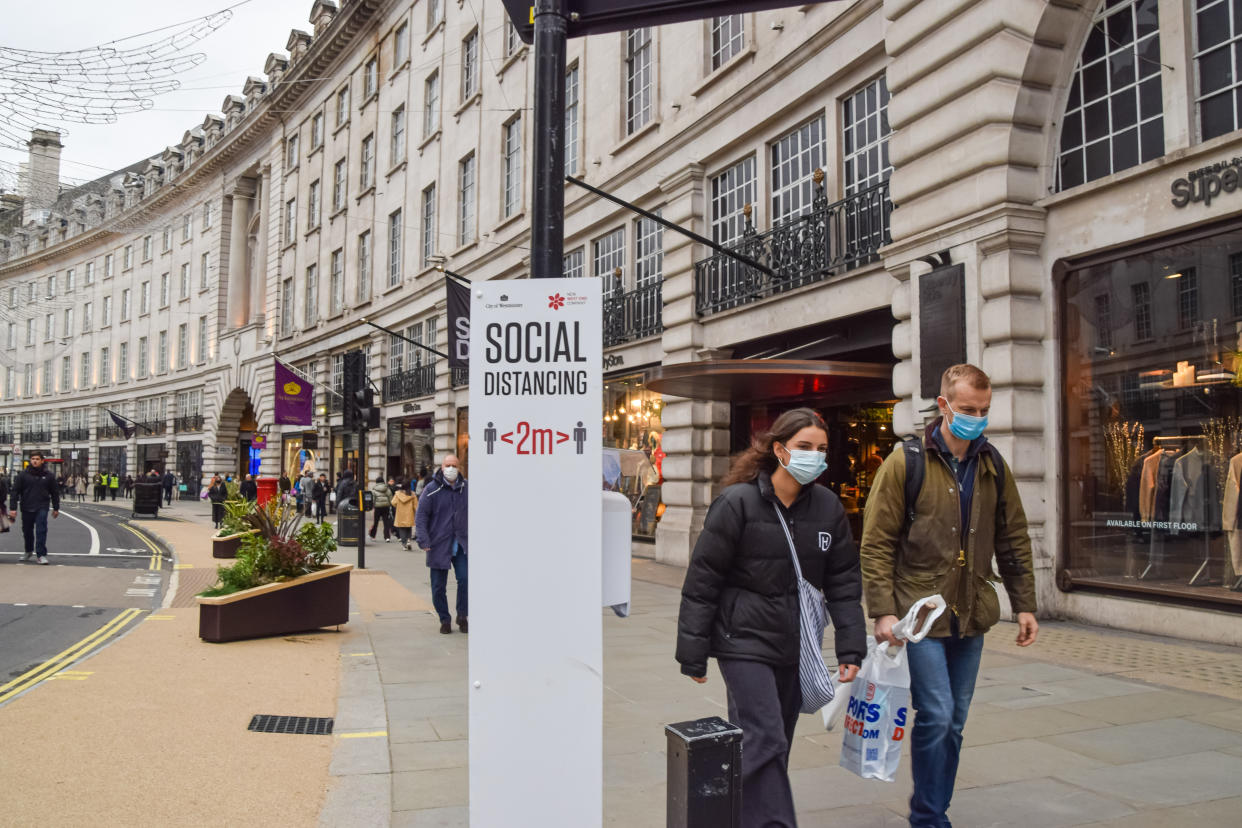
(536, 649)
(588, 17)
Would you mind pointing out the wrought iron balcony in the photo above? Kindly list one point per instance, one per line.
(190, 422)
(830, 239)
(73, 435)
(406, 385)
(37, 436)
(146, 429)
(7, 437)
(109, 432)
(460, 377)
(633, 315)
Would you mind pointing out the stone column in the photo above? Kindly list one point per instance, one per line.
(696, 436)
(257, 271)
(241, 202)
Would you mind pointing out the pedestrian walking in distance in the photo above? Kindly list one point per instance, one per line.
(382, 495)
(170, 483)
(319, 495)
(217, 494)
(249, 490)
(943, 539)
(6, 517)
(404, 507)
(33, 494)
(739, 602)
(440, 528)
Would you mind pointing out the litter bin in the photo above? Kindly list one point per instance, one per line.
(148, 497)
(350, 524)
(267, 488)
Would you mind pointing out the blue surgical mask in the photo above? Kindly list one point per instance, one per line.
(805, 466)
(965, 426)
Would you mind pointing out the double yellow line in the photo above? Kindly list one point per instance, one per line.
(157, 557)
(62, 660)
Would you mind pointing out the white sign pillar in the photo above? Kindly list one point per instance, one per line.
(536, 648)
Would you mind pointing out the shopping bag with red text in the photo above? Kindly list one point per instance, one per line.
(877, 715)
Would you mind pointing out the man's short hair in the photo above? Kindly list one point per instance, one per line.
(36, 453)
(965, 372)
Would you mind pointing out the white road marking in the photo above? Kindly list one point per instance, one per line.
(133, 593)
(89, 528)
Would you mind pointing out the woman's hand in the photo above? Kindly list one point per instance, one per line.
(699, 679)
(847, 672)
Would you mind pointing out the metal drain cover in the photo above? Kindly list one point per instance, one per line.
(309, 725)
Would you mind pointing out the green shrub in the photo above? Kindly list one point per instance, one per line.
(280, 550)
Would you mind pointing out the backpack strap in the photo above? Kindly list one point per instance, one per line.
(916, 469)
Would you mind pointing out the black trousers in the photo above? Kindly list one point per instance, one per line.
(764, 701)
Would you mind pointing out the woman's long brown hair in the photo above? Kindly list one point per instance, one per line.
(759, 457)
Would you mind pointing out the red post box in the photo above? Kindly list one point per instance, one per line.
(267, 488)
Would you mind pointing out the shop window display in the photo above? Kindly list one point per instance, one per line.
(633, 449)
(1152, 357)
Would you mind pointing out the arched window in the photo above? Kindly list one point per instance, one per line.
(1114, 113)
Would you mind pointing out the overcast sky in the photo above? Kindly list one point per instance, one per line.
(236, 50)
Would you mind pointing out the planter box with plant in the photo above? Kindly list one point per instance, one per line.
(281, 581)
(233, 528)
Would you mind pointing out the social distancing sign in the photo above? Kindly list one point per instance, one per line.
(536, 470)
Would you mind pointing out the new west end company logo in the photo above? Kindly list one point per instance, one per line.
(556, 301)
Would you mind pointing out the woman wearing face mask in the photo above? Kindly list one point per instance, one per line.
(739, 603)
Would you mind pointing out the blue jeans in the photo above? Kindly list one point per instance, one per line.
(942, 682)
(439, 589)
(34, 532)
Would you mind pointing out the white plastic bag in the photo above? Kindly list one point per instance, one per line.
(877, 714)
(878, 711)
(914, 627)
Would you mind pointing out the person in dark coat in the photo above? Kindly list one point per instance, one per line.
(33, 494)
(217, 494)
(441, 530)
(4, 503)
(170, 483)
(319, 496)
(249, 490)
(739, 602)
(346, 489)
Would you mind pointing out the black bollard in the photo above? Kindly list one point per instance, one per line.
(704, 774)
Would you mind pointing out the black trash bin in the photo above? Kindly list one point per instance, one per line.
(148, 497)
(350, 524)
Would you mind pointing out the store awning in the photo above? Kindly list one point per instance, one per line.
(756, 380)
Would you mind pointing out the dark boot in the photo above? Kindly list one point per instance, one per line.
(446, 627)
(462, 623)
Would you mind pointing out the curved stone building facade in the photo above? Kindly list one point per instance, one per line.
(1048, 190)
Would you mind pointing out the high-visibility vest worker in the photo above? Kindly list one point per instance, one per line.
(113, 482)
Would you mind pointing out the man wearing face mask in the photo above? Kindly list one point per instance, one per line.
(440, 529)
(965, 515)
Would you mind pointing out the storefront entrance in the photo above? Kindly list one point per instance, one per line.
(410, 446)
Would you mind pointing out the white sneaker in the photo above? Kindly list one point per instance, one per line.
(43, 560)
(29, 556)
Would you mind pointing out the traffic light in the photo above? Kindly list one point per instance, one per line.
(366, 412)
(358, 409)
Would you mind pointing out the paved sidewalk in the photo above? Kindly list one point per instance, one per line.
(1065, 734)
(1090, 727)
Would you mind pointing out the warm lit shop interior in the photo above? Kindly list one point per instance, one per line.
(633, 450)
(300, 456)
(1153, 369)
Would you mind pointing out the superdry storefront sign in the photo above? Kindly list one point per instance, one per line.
(536, 472)
(1206, 183)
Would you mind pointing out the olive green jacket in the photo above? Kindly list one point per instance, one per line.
(899, 568)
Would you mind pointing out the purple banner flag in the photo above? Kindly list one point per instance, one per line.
(294, 397)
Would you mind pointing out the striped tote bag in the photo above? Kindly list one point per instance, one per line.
(816, 680)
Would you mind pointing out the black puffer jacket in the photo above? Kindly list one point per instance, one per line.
(740, 598)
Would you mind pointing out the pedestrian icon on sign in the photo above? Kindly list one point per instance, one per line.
(579, 436)
(489, 437)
